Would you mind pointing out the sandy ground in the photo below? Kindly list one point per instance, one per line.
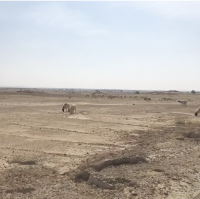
(43, 149)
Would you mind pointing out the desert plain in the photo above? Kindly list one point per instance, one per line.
(111, 148)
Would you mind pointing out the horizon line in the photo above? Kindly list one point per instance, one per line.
(17, 87)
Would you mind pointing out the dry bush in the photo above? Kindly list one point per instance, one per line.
(188, 122)
(193, 122)
(179, 121)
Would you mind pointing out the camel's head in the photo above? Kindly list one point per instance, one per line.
(196, 114)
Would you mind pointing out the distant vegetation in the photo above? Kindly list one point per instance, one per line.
(137, 92)
(193, 92)
(172, 91)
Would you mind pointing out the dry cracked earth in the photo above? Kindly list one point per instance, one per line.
(111, 148)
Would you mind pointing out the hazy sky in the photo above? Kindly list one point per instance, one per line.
(119, 45)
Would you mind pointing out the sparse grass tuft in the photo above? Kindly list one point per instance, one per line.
(188, 122)
(179, 121)
(193, 122)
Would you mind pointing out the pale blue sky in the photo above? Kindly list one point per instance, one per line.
(111, 45)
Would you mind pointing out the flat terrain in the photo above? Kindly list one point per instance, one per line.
(43, 149)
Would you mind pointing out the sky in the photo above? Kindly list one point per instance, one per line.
(100, 44)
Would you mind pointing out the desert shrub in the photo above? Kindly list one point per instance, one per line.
(193, 92)
(179, 121)
(187, 122)
(194, 122)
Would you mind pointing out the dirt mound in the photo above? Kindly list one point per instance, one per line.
(90, 177)
(118, 162)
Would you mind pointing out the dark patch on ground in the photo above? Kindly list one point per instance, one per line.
(118, 162)
(22, 190)
(30, 162)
